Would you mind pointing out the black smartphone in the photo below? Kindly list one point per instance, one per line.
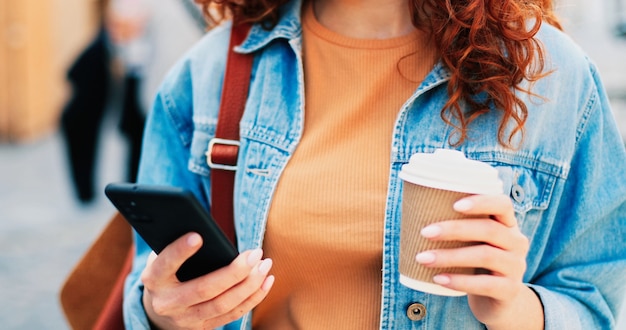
(162, 214)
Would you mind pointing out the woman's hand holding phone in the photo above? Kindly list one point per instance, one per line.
(208, 301)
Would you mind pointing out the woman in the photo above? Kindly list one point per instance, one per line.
(342, 94)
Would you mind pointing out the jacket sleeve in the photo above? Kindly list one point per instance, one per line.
(581, 278)
(165, 154)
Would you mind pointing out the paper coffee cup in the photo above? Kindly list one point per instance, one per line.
(433, 182)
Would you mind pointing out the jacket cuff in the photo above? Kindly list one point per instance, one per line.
(558, 310)
(135, 317)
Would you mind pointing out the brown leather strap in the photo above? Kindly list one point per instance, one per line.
(223, 150)
(111, 317)
(92, 292)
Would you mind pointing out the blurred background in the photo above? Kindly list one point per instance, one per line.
(53, 170)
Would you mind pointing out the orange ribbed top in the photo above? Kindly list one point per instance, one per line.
(325, 226)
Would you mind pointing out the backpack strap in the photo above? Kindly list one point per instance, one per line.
(224, 147)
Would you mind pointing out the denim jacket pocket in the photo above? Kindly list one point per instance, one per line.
(530, 191)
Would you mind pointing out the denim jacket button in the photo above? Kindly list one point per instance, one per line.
(517, 192)
(416, 311)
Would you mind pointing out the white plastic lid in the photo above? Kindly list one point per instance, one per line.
(449, 170)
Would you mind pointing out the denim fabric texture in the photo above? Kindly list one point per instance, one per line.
(567, 178)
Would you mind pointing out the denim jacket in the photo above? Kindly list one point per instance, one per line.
(567, 178)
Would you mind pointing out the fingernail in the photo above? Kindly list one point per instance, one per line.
(194, 239)
(254, 257)
(265, 266)
(425, 257)
(267, 284)
(463, 205)
(441, 279)
(431, 231)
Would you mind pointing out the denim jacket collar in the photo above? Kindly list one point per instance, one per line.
(288, 27)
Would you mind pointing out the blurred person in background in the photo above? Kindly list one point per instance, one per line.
(342, 93)
(620, 6)
(136, 41)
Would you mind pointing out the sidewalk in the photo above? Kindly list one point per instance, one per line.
(43, 231)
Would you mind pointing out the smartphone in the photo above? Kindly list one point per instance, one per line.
(162, 214)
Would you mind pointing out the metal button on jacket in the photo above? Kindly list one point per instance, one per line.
(517, 192)
(416, 311)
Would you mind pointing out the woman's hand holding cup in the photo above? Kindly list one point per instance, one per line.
(460, 236)
(495, 290)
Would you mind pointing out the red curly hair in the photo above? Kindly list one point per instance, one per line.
(486, 44)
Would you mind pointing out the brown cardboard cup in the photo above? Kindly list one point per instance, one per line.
(432, 184)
